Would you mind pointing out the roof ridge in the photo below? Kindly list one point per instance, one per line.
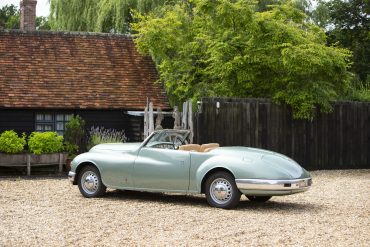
(65, 33)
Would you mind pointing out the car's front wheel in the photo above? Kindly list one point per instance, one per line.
(89, 182)
(259, 198)
(221, 190)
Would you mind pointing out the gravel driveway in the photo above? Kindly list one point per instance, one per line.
(51, 212)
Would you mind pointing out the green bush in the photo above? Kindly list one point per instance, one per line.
(71, 149)
(100, 135)
(73, 136)
(11, 143)
(46, 142)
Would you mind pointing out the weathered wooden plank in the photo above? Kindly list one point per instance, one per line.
(258, 126)
(263, 126)
(252, 120)
(339, 110)
(28, 165)
(331, 141)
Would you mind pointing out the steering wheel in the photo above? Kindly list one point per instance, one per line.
(177, 142)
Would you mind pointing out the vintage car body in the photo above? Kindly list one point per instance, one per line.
(159, 165)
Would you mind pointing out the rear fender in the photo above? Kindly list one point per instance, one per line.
(228, 163)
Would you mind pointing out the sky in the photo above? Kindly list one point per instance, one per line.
(42, 7)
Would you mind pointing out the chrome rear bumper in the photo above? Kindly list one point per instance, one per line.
(274, 185)
(71, 176)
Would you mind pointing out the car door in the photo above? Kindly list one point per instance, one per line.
(116, 169)
(162, 169)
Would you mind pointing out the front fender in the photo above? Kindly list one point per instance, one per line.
(79, 160)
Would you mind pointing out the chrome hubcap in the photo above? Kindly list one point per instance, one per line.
(90, 182)
(221, 190)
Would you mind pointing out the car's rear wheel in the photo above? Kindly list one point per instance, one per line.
(89, 182)
(259, 198)
(221, 190)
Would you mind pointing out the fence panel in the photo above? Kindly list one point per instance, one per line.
(337, 140)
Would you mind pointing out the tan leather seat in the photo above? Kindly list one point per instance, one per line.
(208, 147)
(190, 147)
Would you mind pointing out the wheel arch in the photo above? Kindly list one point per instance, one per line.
(210, 172)
(81, 166)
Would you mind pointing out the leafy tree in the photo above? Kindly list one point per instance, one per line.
(304, 5)
(42, 23)
(9, 17)
(227, 48)
(98, 16)
(348, 24)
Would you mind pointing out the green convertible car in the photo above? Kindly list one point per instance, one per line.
(166, 162)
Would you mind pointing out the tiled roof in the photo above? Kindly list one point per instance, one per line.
(75, 71)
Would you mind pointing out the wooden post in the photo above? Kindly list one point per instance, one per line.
(151, 118)
(190, 120)
(146, 121)
(28, 165)
(177, 117)
(158, 120)
(184, 122)
(60, 163)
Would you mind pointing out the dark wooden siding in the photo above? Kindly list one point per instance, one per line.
(17, 120)
(338, 140)
(24, 121)
(111, 119)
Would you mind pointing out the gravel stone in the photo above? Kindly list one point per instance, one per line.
(52, 212)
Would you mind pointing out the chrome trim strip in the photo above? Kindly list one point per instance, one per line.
(71, 176)
(269, 184)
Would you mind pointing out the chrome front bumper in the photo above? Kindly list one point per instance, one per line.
(274, 185)
(71, 176)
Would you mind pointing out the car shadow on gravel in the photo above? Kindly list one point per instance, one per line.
(180, 199)
(281, 206)
(200, 201)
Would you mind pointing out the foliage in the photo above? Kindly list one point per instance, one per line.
(227, 48)
(348, 24)
(360, 92)
(11, 143)
(9, 17)
(45, 142)
(100, 135)
(74, 134)
(42, 23)
(99, 16)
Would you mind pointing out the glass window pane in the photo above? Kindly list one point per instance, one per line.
(39, 117)
(39, 127)
(68, 117)
(60, 117)
(60, 126)
(48, 127)
(60, 133)
(48, 117)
